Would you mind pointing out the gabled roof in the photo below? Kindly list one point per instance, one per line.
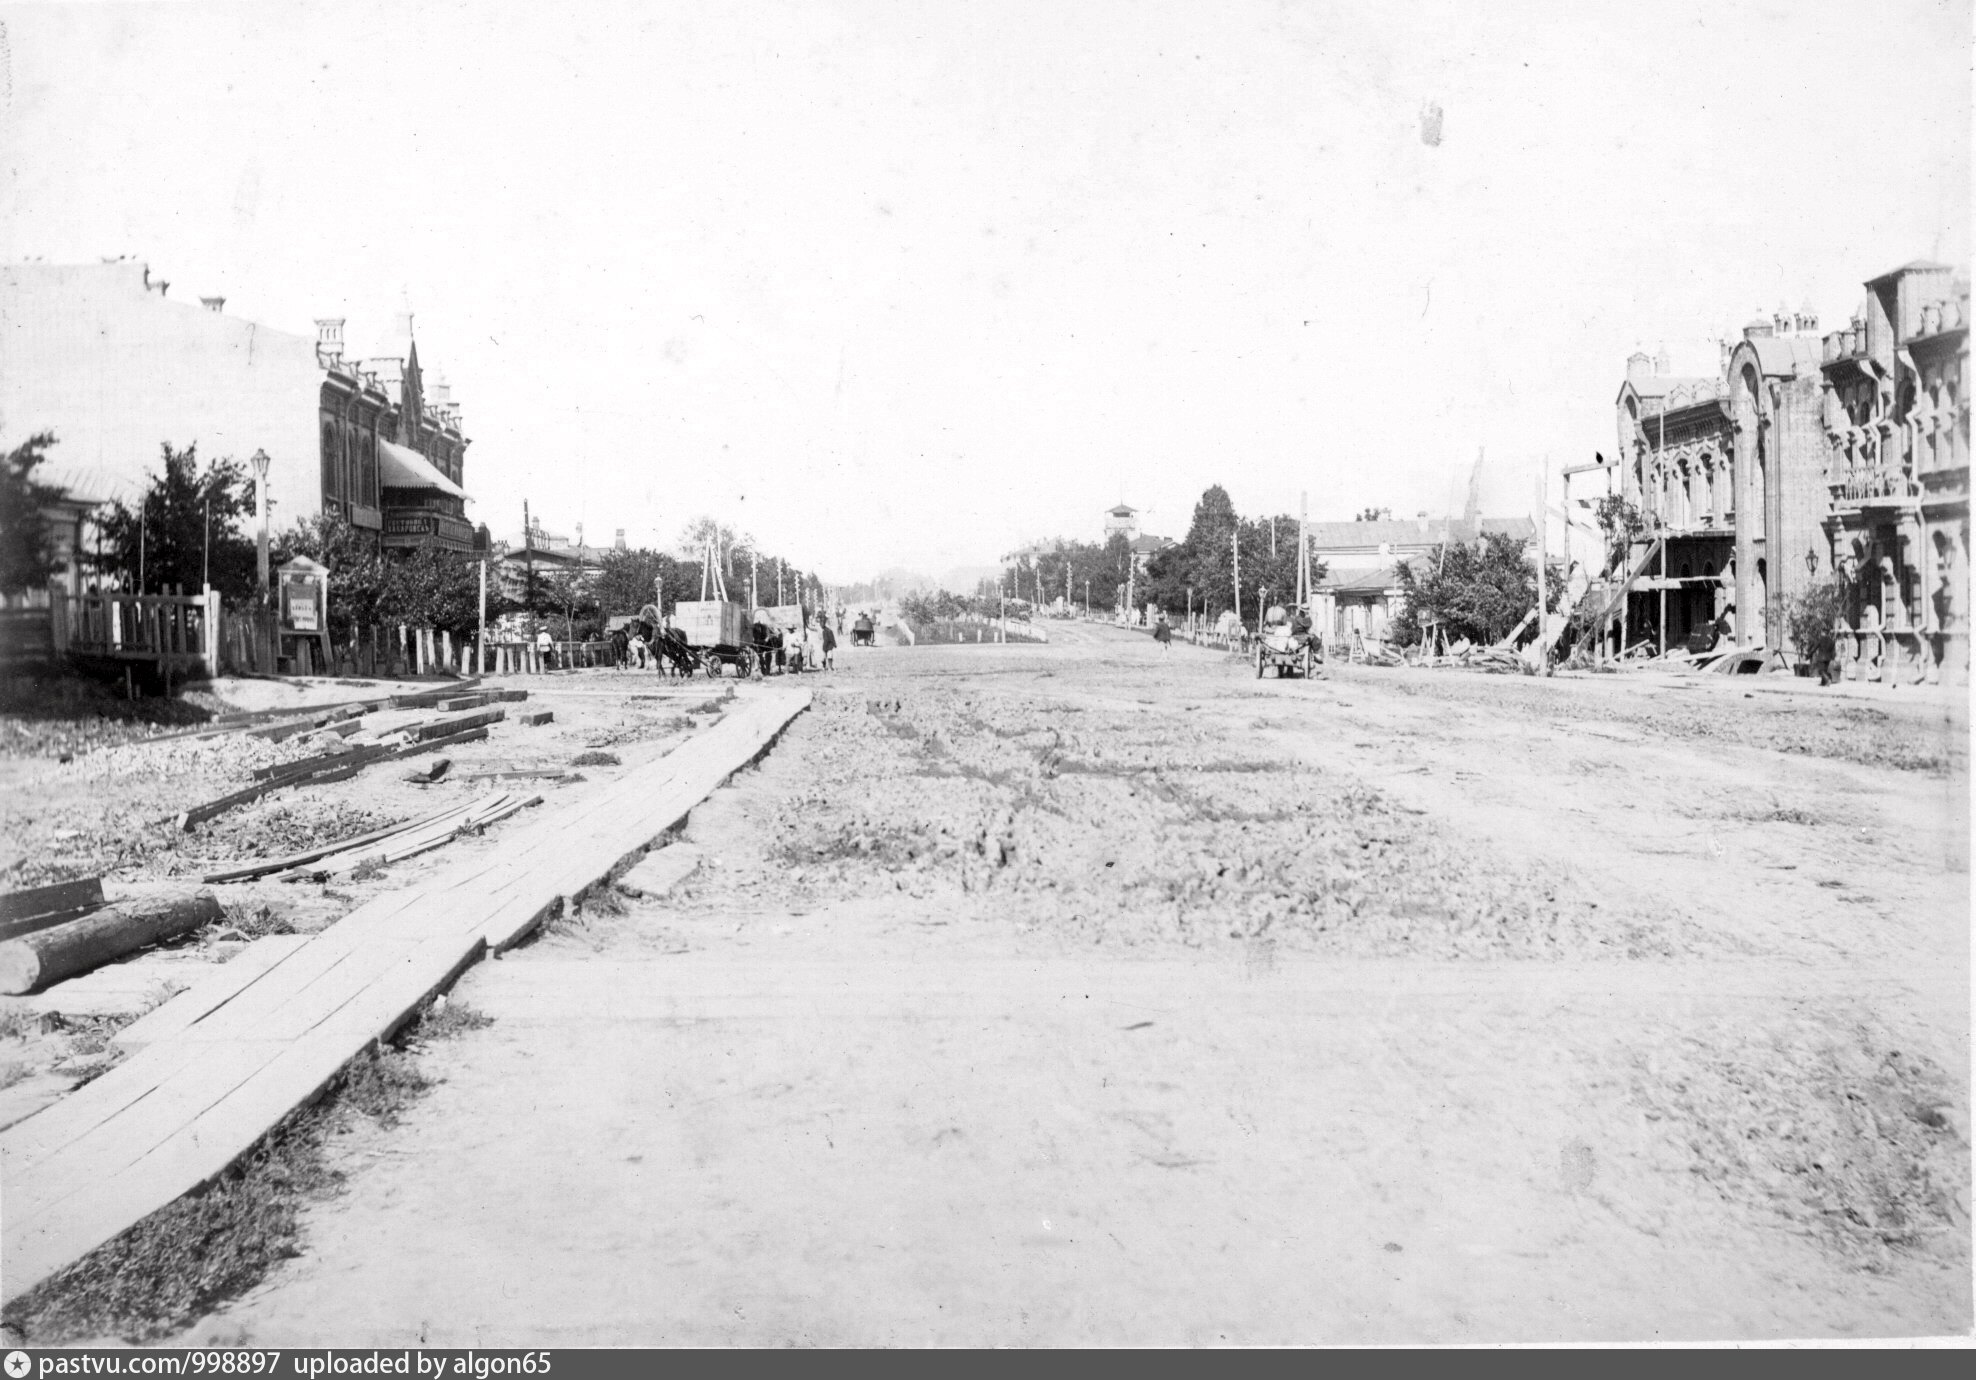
(1149, 544)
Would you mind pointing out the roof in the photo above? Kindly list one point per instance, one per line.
(1375, 581)
(1149, 544)
(1122, 510)
(1660, 385)
(400, 467)
(1780, 356)
(1403, 532)
(1915, 266)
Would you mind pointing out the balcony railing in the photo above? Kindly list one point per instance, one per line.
(1863, 485)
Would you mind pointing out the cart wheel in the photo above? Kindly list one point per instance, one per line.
(746, 664)
(715, 666)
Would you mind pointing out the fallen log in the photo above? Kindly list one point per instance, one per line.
(34, 960)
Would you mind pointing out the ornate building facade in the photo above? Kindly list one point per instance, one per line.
(1895, 414)
(1678, 466)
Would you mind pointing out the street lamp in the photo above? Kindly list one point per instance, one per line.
(260, 462)
(1811, 562)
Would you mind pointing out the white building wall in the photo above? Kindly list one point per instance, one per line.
(114, 368)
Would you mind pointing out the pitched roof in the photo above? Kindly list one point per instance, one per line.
(1360, 581)
(1782, 356)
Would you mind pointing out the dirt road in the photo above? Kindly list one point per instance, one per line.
(1090, 993)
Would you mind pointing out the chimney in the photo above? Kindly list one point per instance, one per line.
(1663, 364)
(213, 303)
(1758, 329)
(620, 539)
(329, 341)
(1639, 367)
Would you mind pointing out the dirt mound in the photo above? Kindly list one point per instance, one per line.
(1841, 1135)
(1135, 827)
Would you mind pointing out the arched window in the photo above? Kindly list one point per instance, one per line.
(331, 457)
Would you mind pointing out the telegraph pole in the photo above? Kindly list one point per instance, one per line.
(1235, 545)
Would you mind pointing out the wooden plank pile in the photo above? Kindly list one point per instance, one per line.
(187, 1104)
(324, 768)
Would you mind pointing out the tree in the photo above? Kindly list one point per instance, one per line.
(628, 580)
(1811, 619)
(357, 575)
(187, 523)
(1474, 590)
(1374, 515)
(1623, 524)
(27, 553)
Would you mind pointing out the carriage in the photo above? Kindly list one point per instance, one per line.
(1289, 652)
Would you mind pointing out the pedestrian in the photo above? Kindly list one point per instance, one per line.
(1163, 632)
(829, 644)
(545, 648)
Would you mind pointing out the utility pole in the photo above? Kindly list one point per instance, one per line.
(206, 551)
(1303, 551)
(754, 599)
(527, 555)
(1235, 545)
(480, 645)
(1543, 557)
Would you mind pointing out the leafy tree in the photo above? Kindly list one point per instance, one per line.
(423, 588)
(629, 580)
(1811, 620)
(1479, 590)
(27, 553)
(1374, 515)
(187, 522)
(1623, 524)
(567, 596)
(357, 574)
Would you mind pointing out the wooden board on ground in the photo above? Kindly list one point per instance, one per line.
(211, 991)
(661, 870)
(535, 718)
(22, 1100)
(186, 1105)
(119, 989)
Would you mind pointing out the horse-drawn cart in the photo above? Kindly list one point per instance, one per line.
(1280, 646)
(716, 632)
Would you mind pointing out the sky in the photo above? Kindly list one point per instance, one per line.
(913, 284)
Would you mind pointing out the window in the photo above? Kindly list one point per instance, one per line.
(331, 455)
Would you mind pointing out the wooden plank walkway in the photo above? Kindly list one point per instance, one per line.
(222, 1070)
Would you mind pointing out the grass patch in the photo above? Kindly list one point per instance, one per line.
(164, 1273)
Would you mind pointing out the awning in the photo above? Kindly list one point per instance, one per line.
(400, 467)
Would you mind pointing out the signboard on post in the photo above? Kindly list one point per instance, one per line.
(302, 610)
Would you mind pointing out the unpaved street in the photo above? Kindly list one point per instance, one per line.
(1090, 993)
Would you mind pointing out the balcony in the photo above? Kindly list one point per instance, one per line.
(1883, 484)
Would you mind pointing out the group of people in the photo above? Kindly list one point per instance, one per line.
(1289, 627)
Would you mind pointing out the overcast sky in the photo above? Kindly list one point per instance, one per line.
(912, 283)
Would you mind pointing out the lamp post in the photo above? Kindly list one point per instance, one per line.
(260, 462)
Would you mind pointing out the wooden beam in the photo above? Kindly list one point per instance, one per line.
(41, 906)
